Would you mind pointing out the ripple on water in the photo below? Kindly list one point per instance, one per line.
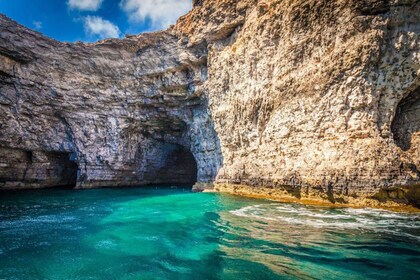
(175, 234)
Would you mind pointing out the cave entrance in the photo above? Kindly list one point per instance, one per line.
(37, 169)
(177, 166)
(406, 124)
(64, 170)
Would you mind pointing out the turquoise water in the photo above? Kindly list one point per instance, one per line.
(166, 233)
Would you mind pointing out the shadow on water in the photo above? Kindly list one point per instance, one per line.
(94, 194)
(17, 203)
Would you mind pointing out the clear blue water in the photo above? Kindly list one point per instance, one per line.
(166, 233)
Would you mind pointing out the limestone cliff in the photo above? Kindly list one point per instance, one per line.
(294, 98)
(125, 111)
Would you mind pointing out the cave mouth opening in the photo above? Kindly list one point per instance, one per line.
(406, 122)
(64, 174)
(30, 169)
(177, 167)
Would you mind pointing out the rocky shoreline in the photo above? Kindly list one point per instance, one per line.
(397, 199)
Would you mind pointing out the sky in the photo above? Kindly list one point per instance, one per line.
(93, 20)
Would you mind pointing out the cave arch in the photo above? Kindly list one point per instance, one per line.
(37, 169)
(64, 171)
(406, 122)
(173, 164)
(69, 174)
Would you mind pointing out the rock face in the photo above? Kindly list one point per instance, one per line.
(125, 111)
(301, 99)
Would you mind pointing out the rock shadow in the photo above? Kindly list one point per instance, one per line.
(407, 120)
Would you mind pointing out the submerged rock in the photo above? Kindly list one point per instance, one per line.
(307, 98)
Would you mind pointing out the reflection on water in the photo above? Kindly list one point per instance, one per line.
(324, 243)
(175, 234)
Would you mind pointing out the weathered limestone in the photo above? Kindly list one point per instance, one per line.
(119, 108)
(303, 95)
(310, 99)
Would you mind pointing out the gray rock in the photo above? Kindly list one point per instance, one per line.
(316, 98)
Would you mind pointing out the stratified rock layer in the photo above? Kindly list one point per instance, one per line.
(124, 110)
(306, 99)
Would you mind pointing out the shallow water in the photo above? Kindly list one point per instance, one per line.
(167, 233)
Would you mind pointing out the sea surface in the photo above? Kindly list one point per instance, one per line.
(172, 233)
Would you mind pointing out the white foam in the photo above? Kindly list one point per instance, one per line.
(380, 221)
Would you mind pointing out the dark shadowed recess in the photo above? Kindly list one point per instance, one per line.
(69, 170)
(176, 166)
(407, 120)
(34, 169)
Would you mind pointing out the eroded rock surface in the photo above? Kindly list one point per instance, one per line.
(119, 108)
(308, 99)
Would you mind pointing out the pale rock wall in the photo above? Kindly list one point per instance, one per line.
(303, 93)
(313, 98)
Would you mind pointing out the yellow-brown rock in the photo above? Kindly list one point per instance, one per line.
(311, 98)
